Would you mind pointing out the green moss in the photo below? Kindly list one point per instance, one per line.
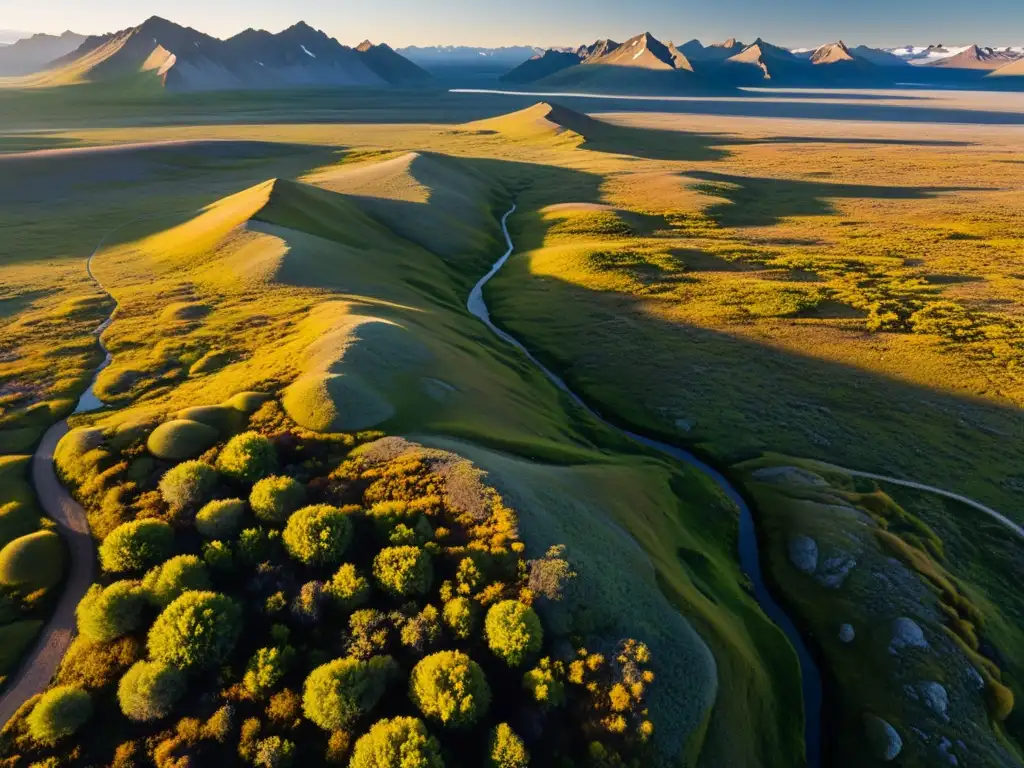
(181, 439)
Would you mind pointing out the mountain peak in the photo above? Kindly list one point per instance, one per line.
(364, 46)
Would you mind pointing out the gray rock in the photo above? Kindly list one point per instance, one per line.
(976, 678)
(906, 634)
(803, 553)
(935, 697)
(883, 740)
(846, 633)
(789, 476)
(946, 750)
(835, 570)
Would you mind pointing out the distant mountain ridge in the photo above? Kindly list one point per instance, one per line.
(30, 54)
(184, 59)
(425, 56)
(605, 65)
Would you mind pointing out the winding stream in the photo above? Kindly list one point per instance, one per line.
(750, 556)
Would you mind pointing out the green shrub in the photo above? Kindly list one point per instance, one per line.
(403, 571)
(186, 485)
(450, 687)
(545, 683)
(181, 439)
(32, 562)
(348, 589)
(166, 582)
(273, 499)
(60, 712)
(105, 614)
(198, 629)
(339, 692)
(461, 615)
(266, 669)
(15, 639)
(248, 457)
(149, 690)
(16, 519)
(218, 557)
(220, 519)
(1000, 699)
(137, 545)
(513, 631)
(506, 749)
(401, 742)
(274, 752)
(318, 535)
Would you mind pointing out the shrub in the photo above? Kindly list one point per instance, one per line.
(105, 614)
(402, 742)
(218, 557)
(247, 739)
(166, 582)
(16, 519)
(274, 498)
(274, 752)
(266, 669)
(15, 639)
(461, 615)
(506, 749)
(545, 683)
(198, 629)
(181, 439)
(32, 562)
(248, 457)
(347, 588)
(371, 632)
(137, 545)
(149, 690)
(88, 664)
(318, 535)
(423, 630)
(220, 519)
(451, 688)
(403, 571)
(513, 631)
(218, 727)
(1000, 699)
(59, 712)
(341, 691)
(307, 607)
(186, 485)
(285, 709)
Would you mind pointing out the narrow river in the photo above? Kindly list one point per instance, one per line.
(750, 556)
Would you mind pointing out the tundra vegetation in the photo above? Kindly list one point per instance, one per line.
(846, 293)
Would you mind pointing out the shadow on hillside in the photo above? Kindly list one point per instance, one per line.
(852, 140)
(738, 397)
(753, 201)
(653, 143)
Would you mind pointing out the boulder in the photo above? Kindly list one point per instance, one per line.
(846, 633)
(789, 476)
(883, 740)
(906, 634)
(803, 553)
(835, 570)
(935, 697)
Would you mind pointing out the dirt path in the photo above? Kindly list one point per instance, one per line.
(39, 666)
(932, 489)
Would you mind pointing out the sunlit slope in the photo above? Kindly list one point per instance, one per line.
(432, 200)
(291, 289)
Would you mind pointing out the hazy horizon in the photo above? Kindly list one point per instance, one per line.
(792, 23)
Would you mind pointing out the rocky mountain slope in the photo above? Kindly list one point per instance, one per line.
(31, 54)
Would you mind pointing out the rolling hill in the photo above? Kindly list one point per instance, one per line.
(184, 59)
(31, 54)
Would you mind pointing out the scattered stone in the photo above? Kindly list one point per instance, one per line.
(936, 698)
(803, 553)
(835, 570)
(846, 633)
(976, 678)
(789, 476)
(883, 740)
(906, 634)
(946, 750)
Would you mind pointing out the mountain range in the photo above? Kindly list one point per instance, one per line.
(28, 54)
(644, 61)
(183, 59)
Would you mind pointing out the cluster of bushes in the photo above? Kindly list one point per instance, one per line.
(285, 600)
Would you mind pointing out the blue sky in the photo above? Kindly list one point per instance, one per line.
(554, 22)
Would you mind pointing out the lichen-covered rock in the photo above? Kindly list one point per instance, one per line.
(803, 553)
(935, 697)
(835, 570)
(846, 633)
(883, 740)
(789, 476)
(906, 634)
